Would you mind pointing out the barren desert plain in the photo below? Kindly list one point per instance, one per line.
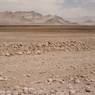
(47, 60)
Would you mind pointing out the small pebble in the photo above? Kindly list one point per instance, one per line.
(76, 81)
(87, 89)
(72, 92)
(50, 80)
(28, 52)
(38, 52)
(28, 75)
(3, 78)
(7, 54)
(19, 53)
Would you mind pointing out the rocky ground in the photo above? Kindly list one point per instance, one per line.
(47, 67)
(20, 48)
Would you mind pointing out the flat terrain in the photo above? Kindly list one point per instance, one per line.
(46, 28)
(47, 63)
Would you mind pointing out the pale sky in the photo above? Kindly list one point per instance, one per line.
(64, 8)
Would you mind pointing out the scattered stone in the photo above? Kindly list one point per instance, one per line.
(72, 92)
(88, 83)
(38, 52)
(76, 81)
(88, 89)
(19, 53)
(61, 81)
(25, 90)
(71, 89)
(38, 82)
(3, 78)
(31, 90)
(1, 73)
(37, 48)
(50, 80)
(70, 86)
(28, 52)
(52, 92)
(83, 76)
(73, 67)
(17, 87)
(7, 54)
(28, 75)
(92, 80)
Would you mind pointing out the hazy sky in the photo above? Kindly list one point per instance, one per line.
(65, 8)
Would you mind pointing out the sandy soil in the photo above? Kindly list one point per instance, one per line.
(47, 63)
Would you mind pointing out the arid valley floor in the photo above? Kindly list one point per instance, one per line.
(47, 63)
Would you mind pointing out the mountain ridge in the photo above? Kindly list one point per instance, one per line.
(30, 18)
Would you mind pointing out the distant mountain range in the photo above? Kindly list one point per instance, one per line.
(35, 18)
(85, 20)
(30, 18)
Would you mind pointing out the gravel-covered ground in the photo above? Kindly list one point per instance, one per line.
(47, 63)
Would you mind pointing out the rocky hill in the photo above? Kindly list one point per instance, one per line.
(29, 18)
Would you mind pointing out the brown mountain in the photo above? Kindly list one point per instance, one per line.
(29, 18)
